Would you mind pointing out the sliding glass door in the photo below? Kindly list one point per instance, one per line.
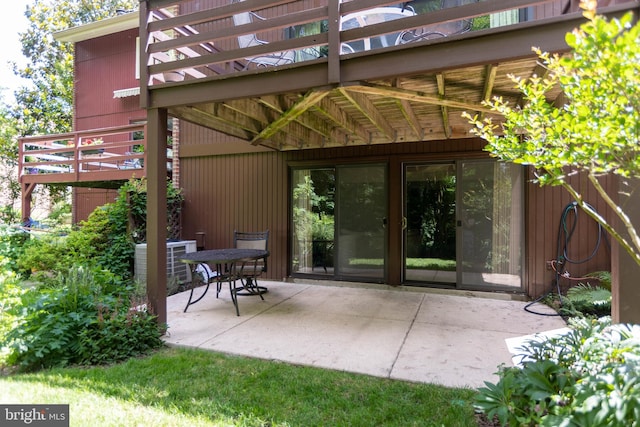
(429, 223)
(313, 221)
(339, 222)
(490, 225)
(463, 224)
(361, 205)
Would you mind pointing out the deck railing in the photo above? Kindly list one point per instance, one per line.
(102, 154)
(202, 39)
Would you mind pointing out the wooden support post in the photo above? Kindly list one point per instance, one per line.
(27, 191)
(334, 42)
(143, 55)
(625, 286)
(157, 211)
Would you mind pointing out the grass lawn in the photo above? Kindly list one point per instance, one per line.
(415, 263)
(185, 387)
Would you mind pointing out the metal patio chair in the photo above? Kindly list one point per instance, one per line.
(249, 40)
(248, 272)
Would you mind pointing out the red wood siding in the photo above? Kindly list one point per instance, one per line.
(245, 192)
(102, 65)
(105, 64)
(87, 199)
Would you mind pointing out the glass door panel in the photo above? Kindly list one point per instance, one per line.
(490, 219)
(361, 205)
(430, 223)
(313, 200)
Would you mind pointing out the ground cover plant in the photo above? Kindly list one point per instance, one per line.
(84, 316)
(186, 387)
(587, 377)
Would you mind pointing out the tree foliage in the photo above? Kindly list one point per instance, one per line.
(46, 105)
(597, 129)
(9, 185)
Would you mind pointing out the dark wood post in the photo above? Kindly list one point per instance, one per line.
(157, 211)
(625, 286)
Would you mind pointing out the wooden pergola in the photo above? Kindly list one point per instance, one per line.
(411, 92)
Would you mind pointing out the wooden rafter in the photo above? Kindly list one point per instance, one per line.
(366, 107)
(443, 108)
(254, 110)
(412, 95)
(276, 103)
(310, 121)
(409, 114)
(311, 98)
(489, 82)
(210, 120)
(223, 112)
(342, 120)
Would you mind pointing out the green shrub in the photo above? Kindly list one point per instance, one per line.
(83, 316)
(44, 254)
(104, 240)
(101, 241)
(13, 242)
(587, 377)
(10, 295)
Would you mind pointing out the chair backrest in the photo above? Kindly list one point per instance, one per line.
(252, 240)
(246, 40)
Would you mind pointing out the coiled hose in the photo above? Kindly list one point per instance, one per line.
(565, 234)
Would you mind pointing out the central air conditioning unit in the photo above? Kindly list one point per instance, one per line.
(177, 272)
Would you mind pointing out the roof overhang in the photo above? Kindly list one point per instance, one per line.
(127, 21)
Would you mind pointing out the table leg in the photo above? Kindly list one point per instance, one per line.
(196, 281)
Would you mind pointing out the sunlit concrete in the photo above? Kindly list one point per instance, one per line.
(450, 338)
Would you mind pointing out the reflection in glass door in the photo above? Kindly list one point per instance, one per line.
(430, 223)
(490, 206)
(361, 215)
(312, 214)
(339, 222)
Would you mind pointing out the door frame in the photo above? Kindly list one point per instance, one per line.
(399, 262)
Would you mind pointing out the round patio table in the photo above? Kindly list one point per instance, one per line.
(223, 265)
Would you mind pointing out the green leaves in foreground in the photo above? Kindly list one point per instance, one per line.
(587, 377)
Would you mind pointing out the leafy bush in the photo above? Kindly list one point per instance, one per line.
(86, 316)
(103, 240)
(134, 195)
(10, 294)
(587, 377)
(13, 242)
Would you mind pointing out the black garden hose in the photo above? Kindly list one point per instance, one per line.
(562, 258)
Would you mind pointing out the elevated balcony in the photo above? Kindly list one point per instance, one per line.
(292, 74)
(99, 158)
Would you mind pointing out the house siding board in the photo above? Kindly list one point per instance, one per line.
(87, 199)
(545, 208)
(102, 65)
(105, 64)
(237, 192)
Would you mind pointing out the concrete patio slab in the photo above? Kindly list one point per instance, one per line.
(454, 339)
